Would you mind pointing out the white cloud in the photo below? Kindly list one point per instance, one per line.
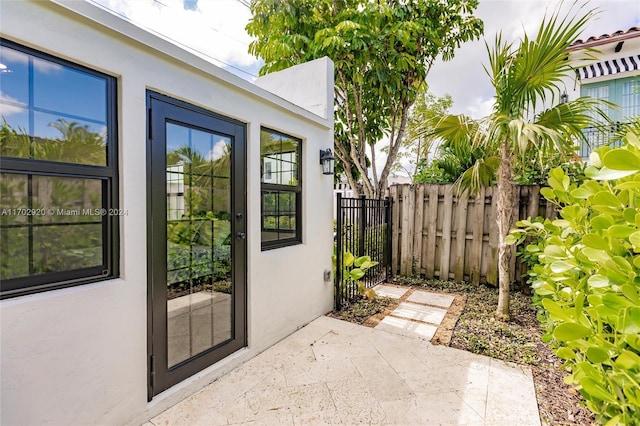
(220, 149)
(464, 77)
(7, 109)
(215, 28)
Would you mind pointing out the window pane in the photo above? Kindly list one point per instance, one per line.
(631, 98)
(64, 111)
(14, 77)
(14, 252)
(278, 215)
(69, 91)
(66, 247)
(13, 198)
(67, 200)
(279, 158)
(14, 133)
(58, 227)
(74, 141)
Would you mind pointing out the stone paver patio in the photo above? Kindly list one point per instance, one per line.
(335, 372)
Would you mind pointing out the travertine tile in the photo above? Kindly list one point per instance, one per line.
(319, 372)
(341, 373)
(355, 407)
(342, 350)
(318, 419)
(381, 379)
(416, 312)
(390, 291)
(448, 408)
(407, 328)
(510, 386)
(428, 298)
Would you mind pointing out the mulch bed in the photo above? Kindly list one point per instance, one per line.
(470, 325)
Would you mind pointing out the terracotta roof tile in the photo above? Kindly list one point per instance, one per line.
(606, 38)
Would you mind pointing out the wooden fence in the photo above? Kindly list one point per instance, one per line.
(440, 235)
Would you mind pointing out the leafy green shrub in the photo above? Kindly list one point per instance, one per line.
(586, 279)
(353, 270)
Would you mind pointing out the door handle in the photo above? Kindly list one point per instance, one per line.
(241, 235)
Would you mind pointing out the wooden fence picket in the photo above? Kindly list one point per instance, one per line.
(441, 234)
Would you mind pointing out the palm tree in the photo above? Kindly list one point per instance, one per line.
(526, 78)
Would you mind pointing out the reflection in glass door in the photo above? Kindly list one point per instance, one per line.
(197, 240)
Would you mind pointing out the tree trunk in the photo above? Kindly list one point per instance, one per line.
(505, 197)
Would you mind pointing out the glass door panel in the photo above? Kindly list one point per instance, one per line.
(199, 288)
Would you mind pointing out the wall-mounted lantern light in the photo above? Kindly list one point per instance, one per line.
(564, 98)
(327, 161)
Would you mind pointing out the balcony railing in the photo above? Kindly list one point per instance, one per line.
(599, 136)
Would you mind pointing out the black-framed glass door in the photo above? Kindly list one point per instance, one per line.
(196, 240)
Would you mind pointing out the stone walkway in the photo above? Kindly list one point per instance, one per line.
(419, 316)
(336, 372)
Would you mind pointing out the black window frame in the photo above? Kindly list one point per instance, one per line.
(107, 175)
(281, 188)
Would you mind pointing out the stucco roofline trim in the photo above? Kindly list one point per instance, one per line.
(107, 19)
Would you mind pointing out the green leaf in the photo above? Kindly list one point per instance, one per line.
(597, 355)
(510, 239)
(348, 259)
(632, 139)
(595, 241)
(605, 198)
(598, 281)
(595, 255)
(635, 239)
(356, 274)
(570, 331)
(556, 310)
(596, 390)
(615, 301)
(621, 231)
(560, 266)
(621, 159)
(361, 260)
(607, 174)
(547, 193)
(633, 340)
(628, 360)
(630, 323)
(631, 292)
(566, 353)
(601, 222)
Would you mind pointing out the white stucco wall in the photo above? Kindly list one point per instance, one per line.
(79, 355)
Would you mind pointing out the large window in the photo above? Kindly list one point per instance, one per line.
(58, 173)
(281, 189)
(625, 93)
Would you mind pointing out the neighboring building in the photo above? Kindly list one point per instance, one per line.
(142, 254)
(614, 76)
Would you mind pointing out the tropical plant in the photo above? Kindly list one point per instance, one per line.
(585, 273)
(382, 52)
(526, 77)
(419, 140)
(353, 270)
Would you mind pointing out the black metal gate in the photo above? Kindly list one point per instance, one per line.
(363, 228)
